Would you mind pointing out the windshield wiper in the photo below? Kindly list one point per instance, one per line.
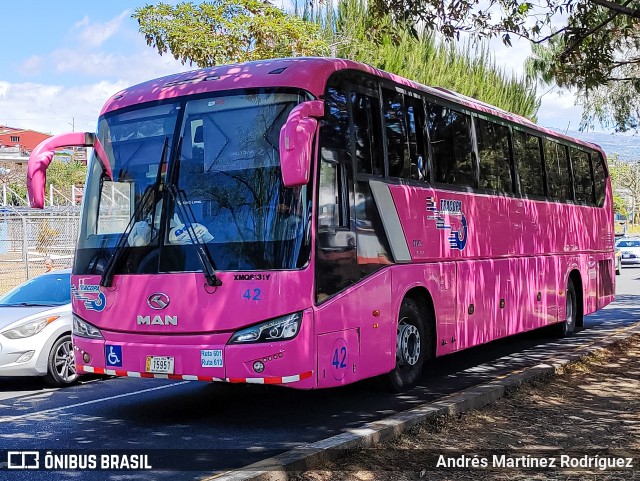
(107, 276)
(180, 200)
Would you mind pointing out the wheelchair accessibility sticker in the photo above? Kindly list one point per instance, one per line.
(93, 298)
(113, 355)
(449, 217)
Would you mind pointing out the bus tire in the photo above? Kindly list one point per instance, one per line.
(566, 328)
(412, 347)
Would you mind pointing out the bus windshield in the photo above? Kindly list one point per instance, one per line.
(199, 170)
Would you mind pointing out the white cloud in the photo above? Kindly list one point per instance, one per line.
(97, 69)
(558, 110)
(137, 63)
(53, 108)
(94, 34)
(32, 66)
(511, 59)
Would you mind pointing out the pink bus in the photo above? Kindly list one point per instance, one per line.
(313, 222)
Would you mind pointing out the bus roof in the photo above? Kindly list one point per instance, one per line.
(308, 73)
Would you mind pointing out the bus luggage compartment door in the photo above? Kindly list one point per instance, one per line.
(338, 357)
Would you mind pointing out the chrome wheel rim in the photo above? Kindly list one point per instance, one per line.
(408, 344)
(64, 362)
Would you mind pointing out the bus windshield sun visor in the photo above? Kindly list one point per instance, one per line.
(152, 191)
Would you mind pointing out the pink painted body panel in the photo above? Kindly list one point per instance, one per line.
(498, 266)
(204, 321)
(354, 310)
(198, 311)
(520, 250)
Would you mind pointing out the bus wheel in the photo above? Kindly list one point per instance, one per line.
(566, 328)
(411, 347)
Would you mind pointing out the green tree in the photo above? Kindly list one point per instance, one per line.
(589, 45)
(625, 181)
(62, 175)
(227, 31)
(619, 205)
(356, 32)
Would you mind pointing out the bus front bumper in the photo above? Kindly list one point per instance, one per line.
(201, 358)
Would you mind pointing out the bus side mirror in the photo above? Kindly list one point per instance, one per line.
(296, 142)
(42, 155)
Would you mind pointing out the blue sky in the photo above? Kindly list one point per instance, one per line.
(63, 59)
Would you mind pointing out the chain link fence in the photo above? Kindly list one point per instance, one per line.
(28, 237)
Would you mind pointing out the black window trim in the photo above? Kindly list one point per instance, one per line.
(472, 113)
(512, 171)
(573, 178)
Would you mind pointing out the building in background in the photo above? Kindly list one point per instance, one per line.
(17, 144)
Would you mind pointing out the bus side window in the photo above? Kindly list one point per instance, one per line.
(599, 176)
(582, 181)
(450, 138)
(558, 175)
(329, 196)
(396, 131)
(528, 161)
(415, 124)
(335, 153)
(367, 131)
(495, 161)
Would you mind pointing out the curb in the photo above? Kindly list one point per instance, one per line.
(312, 455)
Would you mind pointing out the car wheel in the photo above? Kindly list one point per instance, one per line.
(412, 347)
(61, 367)
(566, 328)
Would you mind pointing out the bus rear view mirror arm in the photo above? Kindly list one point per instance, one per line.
(296, 142)
(42, 155)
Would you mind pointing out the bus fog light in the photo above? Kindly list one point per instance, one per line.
(26, 356)
(86, 358)
(258, 366)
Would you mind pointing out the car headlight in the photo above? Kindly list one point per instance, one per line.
(82, 328)
(279, 329)
(30, 328)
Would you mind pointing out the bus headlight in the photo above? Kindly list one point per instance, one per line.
(279, 329)
(82, 328)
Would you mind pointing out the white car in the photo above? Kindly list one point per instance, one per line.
(35, 329)
(630, 249)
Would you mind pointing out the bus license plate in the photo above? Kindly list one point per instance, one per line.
(160, 364)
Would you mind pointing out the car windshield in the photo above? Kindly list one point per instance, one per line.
(202, 169)
(628, 243)
(45, 290)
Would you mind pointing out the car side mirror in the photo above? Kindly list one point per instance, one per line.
(42, 155)
(296, 142)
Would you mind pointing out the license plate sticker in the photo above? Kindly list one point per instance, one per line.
(160, 364)
(211, 358)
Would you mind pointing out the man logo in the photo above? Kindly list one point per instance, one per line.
(158, 300)
(157, 321)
